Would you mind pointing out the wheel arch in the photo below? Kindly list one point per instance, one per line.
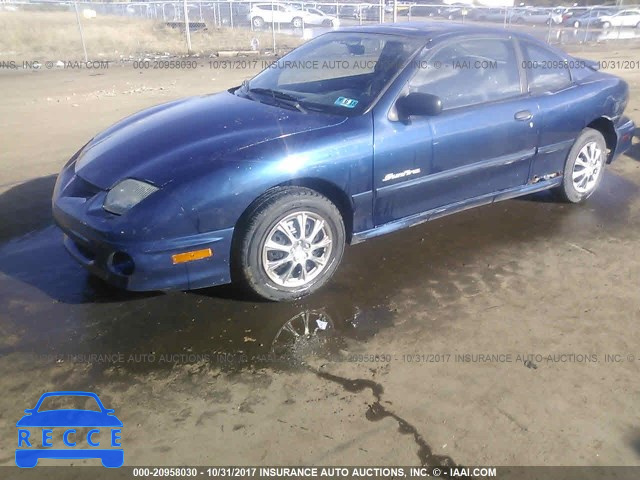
(328, 189)
(605, 126)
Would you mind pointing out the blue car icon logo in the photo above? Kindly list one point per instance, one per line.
(105, 430)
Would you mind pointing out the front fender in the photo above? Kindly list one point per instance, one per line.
(340, 155)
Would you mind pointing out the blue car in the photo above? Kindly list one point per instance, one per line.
(359, 132)
(28, 453)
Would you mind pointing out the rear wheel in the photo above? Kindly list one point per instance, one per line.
(576, 24)
(606, 24)
(297, 22)
(290, 246)
(584, 167)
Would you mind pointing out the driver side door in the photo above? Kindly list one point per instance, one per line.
(481, 143)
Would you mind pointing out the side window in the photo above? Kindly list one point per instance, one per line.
(546, 71)
(469, 72)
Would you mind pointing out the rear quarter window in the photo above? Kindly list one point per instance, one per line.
(546, 71)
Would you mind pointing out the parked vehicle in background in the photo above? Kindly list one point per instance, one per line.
(424, 11)
(262, 13)
(372, 12)
(402, 8)
(493, 15)
(316, 16)
(535, 16)
(569, 12)
(456, 11)
(590, 18)
(332, 10)
(624, 18)
(353, 11)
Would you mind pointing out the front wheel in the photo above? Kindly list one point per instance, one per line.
(257, 22)
(291, 244)
(584, 167)
(297, 22)
(606, 24)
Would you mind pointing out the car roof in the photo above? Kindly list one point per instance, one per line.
(433, 30)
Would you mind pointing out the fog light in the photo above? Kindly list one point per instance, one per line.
(122, 263)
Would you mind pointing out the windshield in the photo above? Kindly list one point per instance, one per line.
(339, 73)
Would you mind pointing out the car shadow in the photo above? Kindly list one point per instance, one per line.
(634, 151)
(26, 207)
(634, 440)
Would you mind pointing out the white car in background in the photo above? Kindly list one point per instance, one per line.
(267, 13)
(625, 18)
(318, 17)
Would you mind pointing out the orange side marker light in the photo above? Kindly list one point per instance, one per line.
(191, 256)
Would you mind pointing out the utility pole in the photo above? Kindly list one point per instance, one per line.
(186, 26)
(84, 47)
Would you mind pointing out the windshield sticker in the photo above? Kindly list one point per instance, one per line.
(346, 102)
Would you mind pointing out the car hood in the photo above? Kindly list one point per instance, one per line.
(155, 145)
(69, 418)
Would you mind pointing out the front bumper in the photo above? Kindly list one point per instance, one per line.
(91, 241)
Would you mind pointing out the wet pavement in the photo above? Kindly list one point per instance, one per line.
(52, 307)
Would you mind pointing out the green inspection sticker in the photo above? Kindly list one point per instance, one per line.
(346, 102)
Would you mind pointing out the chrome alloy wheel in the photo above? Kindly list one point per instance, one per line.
(297, 249)
(587, 167)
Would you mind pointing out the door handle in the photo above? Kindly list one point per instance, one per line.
(523, 115)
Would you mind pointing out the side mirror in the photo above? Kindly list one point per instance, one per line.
(419, 104)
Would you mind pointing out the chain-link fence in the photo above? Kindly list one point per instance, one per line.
(180, 27)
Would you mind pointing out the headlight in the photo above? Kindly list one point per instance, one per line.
(127, 194)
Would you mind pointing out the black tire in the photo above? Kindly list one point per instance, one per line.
(297, 22)
(257, 22)
(567, 191)
(250, 237)
(576, 24)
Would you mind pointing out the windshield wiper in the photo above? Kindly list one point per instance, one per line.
(277, 95)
